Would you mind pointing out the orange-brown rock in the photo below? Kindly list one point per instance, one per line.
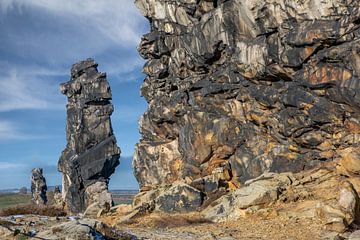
(350, 162)
(239, 88)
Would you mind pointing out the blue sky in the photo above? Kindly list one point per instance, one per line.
(39, 41)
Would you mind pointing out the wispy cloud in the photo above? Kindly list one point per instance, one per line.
(64, 30)
(10, 131)
(40, 39)
(116, 20)
(55, 34)
(28, 89)
(8, 165)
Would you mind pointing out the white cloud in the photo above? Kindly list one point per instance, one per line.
(117, 20)
(11, 131)
(8, 165)
(28, 88)
(8, 131)
(58, 33)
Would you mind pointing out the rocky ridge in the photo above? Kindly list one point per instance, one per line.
(238, 88)
(91, 154)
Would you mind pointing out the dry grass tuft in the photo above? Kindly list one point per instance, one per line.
(173, 221)
(49, 211)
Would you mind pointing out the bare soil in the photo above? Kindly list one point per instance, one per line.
(193, 226)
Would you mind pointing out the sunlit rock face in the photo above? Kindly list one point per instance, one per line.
(237, 88)
(38, 187)
(91, 154)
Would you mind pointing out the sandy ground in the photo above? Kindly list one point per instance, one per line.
(162, 226)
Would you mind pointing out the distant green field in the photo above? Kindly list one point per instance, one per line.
(13, 199)
(123, 196)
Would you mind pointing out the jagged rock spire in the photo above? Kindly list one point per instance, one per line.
(91, 154)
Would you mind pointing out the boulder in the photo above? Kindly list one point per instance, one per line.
(98, 198)
(91, 154)
(338, 217)
(258, 193)
(82, 229)
(58, 200)
(178, 198)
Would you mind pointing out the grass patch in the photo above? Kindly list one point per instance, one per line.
(13, 199)
(32, 209)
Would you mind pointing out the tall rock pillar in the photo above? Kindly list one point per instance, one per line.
(38, 187)
(91, 154)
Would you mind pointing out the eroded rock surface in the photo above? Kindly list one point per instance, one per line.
(58, 228)
(238, 88)
(38, 187)
(91, 154)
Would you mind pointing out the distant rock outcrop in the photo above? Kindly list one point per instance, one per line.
(91, 154)
(58, 200)
(38, 187)
(23, 190)
(238, 88)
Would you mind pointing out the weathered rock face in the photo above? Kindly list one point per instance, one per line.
(238, 88)
(38, 187)
(58, 200)
(91, 154)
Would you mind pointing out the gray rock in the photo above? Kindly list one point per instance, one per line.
(38, 187)
(332, 236)
(179, 198)
(91, 154)
(83, 229)
(355, 235)
(246, 86)
(259, 192)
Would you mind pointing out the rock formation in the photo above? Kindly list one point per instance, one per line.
(38, 187)
(91, 154)
(239, 88)
(58, 200)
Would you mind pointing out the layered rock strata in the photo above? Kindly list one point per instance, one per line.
(239, 88)
(38, 187)
(91, 154)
